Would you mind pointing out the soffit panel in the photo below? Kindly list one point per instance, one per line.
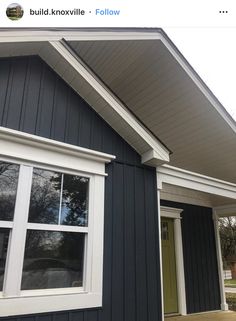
(149, 80)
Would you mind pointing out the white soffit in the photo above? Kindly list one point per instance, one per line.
(156, 83)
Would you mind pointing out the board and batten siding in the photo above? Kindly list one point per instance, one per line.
(34, 99)
(200, 261)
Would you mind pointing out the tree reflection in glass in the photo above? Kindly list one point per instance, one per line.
(8, 187)
(45, 197)
(74, 210)
(53, 260)
(58, 199)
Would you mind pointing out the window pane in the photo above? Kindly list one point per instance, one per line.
(4, 236)
(74, 209)
(53, 260)
(45, 197)
(8, 186)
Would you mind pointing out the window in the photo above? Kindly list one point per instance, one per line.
(51, 225)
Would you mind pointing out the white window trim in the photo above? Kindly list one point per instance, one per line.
(29, 150)
(174, 213)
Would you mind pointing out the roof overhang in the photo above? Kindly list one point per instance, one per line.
(140, 83)
(55, 52)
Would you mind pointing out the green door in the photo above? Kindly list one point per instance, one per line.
(169, 266)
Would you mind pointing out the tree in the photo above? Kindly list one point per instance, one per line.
(227, 229)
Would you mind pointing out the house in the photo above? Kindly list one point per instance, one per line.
(115, 162)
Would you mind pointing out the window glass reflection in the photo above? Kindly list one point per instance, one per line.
(45, 197)
(4, 236)
(74, 210)
(58, 199)
(8, 187)
(53, 260)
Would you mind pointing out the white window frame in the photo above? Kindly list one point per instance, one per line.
(32, 151)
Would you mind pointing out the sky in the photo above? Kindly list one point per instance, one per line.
(212, 53)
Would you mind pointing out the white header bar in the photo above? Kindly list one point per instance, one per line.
(119, 13)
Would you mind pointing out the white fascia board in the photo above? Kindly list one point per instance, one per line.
(180, 177)
(158, 153)
(74, 35)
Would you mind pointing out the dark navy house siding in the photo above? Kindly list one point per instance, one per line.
(34, 99)
(200, 262)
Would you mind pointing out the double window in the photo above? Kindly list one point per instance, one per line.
(51, 228)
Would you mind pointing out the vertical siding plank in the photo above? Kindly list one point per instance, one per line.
(76, 316)
(60, 316)
(59, 112)
(129, 244)
(107, 139)
(28, 318)
(118, 147)
(118, 244)
(5, 67)
(72, 128)
(91, 315)
(46, 103)
(85, 126)
(44, 317)
(152, 281)
(31, 99)
(96, 133)
(15, 94)
(141, 272)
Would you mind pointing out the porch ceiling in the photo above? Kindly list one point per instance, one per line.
(156, 83)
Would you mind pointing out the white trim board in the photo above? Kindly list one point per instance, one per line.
(75, 35)
(109, 107)
(28, 148)
(179, 177)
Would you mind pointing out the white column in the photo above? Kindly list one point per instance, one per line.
(223, 305)
(160, 250)
(180, 267)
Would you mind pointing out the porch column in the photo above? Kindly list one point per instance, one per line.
(223, 305)
(159, 187)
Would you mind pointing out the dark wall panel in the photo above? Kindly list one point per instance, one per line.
(200, 261)
(37, 101)
(34, 99)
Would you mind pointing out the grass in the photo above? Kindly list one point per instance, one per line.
(231, 300)
(230, 283)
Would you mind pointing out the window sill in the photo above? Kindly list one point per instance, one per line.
(46, 302)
